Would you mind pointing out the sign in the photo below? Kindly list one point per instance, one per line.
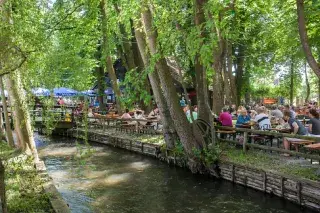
(269, 101)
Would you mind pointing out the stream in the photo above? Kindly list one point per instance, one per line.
(118, 181)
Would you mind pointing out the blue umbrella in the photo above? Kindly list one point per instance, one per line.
(64, 92)
(41, 92)
(89, 92)
(109, 91)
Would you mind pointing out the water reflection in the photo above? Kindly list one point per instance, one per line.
(118, 181)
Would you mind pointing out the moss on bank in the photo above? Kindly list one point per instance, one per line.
(254, 158)
(272, 162)
(23, 184)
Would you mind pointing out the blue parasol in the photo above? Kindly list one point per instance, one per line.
(65, 92)
(89, 93)
(40, 92)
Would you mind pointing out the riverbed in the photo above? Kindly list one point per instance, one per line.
(118, 181)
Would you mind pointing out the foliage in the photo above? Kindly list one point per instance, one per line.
(23, 184)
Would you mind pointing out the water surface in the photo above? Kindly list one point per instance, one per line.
(118, 181)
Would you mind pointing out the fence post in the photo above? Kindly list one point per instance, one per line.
(245, 139)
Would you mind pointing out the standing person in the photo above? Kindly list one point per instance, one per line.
(296, 128)
(262, 119)
(314, 126)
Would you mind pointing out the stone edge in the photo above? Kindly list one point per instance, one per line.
(57, 202)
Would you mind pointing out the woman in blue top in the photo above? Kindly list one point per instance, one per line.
(242, 118)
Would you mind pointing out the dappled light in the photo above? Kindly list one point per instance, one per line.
(140, 166)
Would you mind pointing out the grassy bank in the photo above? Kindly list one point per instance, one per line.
(254, 158)
(272, 162)
(23, 184)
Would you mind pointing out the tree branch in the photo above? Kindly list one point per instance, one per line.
(304, 38)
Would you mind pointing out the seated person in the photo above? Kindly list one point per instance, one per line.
(225, 117)
(314, 126)
(276, 112)
(139, 115)
(126, 115)
(262, 119)
(296, 128)
(243, 118)
(154, 112)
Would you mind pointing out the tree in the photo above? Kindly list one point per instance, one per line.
(304, 38)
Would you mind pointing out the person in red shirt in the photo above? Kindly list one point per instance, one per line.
(226, 120)
(225, 117)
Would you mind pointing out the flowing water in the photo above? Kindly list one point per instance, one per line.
(113, 180)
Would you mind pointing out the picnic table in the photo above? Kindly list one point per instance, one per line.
(280, 130)
(297, 141)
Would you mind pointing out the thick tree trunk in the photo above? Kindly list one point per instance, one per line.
(182, 126)
(307, 83)
(291, 82)
(6, 116)
(304, 38)
(218, 87)
(319, 91)
(3, 188)
(169, 131)
(201, 78)
(22, 114)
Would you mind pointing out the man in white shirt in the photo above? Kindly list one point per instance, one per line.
(262, 119)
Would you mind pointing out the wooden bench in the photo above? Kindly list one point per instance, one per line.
(263, 139)
(227, 133)
(315, 146)
(296, 141)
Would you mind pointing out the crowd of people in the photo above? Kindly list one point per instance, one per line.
(304, 120)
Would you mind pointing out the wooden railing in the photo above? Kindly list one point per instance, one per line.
(246, 133)
(131, 125)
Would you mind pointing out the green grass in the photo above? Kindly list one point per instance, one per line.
(23, 184)
(270, 162)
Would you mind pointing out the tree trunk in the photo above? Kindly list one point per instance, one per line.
(107, 57)
(6, 116)
(319, 91)
(3, 188)
(182, 126)
(307, 83)
(291, 82)
(239, 72)
(18, 117)
(169, 131)
(304, 38)
(22, 114)
(233, 88)
(201, 78)
(128, 54)
(101, 80)
(147, 107)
